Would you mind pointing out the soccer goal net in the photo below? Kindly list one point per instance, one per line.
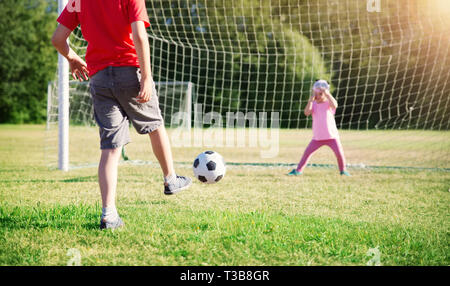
(388, 63)
(175, 99)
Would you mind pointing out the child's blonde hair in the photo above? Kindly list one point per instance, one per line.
(321, 84)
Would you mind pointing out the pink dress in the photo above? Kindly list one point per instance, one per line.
(324, 125)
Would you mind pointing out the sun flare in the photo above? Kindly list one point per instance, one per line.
(443, 6)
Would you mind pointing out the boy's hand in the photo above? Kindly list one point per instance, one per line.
(146, 91)
(140, 40)
(78, 68)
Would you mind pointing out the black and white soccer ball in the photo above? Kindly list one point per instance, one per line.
(209, 167)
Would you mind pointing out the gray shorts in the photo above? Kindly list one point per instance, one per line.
(114, 91)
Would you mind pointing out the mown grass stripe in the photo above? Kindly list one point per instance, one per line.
(290, 165)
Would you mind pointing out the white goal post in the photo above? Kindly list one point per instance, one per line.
(63, 105)
(175, 100)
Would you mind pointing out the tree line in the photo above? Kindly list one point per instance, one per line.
(260, 55)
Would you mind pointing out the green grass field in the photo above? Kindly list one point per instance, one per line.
(254, 216)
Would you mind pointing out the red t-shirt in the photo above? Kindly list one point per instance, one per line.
(106, 26)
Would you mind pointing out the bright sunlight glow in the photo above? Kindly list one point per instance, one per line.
(443, 6)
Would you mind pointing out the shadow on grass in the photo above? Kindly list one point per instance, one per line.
(58, 217)
(69, 180)
(80, 179)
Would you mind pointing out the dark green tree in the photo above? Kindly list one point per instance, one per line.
(27, 59)
(392, 64)
(237, 55)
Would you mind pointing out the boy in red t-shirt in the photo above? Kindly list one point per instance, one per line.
(122, 87)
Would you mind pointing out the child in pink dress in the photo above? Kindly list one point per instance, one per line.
(322, 106)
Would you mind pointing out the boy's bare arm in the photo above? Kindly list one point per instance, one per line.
(78, 67)
(142, 46)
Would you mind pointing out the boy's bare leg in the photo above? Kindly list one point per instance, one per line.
(161, 149)
(107, 179)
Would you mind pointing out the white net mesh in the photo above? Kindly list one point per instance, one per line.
(387, 61)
